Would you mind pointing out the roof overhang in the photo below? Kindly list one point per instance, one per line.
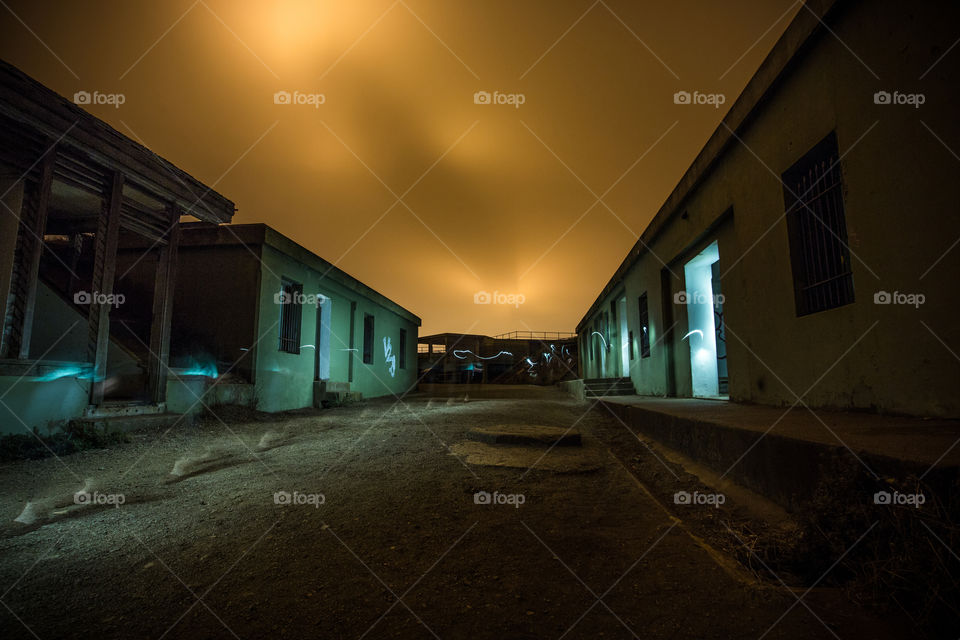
(50, 116)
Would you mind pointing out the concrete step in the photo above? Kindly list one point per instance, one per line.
(599, 387)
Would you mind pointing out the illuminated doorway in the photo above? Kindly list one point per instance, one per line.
(703, 303)
(624, 339)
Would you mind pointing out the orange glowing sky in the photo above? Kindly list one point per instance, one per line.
(399, 177)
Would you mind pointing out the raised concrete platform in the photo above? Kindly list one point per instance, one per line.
(781, 453)
(527, 434)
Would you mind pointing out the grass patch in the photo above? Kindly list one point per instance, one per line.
(75, 437)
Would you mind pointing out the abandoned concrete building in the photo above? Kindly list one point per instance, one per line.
(88, 243)
(810, 248)
(518, 357)
(283, 328)
(116, 309)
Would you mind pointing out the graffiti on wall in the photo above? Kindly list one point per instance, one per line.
(389, 358)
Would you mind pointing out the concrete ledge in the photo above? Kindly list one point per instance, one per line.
(787, 463)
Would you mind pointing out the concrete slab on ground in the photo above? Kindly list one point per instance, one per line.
(557, 459)
(529, 434)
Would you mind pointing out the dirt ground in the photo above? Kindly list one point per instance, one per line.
(399, 548)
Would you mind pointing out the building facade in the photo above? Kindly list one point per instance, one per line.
(282, 328)
(809, 252)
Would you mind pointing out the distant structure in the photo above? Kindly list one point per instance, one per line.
(518, 357)
(89, 236)
(811, 247)
(282, 327)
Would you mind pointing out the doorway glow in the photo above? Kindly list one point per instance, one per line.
(624, 339)
(700, 322)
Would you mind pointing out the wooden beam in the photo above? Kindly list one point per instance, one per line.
(163, 292)
(33, 223)
(104, 271)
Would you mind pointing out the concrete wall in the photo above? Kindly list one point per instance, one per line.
(285, 380)
(36, 402)
(900, 195)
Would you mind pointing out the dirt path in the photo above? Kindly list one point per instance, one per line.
(210, 554)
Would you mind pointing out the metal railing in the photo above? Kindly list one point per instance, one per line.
(535, 335)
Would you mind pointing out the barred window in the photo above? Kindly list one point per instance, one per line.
(817, 228)
(290, 316)
(367, 338)
(644, 326)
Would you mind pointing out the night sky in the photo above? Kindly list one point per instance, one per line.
(399, 177)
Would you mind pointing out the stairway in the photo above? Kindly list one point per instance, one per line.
(599, 387)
